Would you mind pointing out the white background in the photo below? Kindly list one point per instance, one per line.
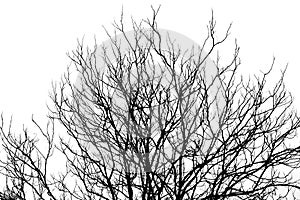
(35, 36)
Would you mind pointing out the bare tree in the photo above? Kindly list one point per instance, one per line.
(149, 122)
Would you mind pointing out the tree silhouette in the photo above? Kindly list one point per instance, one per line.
(151, 123)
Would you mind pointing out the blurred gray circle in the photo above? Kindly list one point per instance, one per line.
(100, 145)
